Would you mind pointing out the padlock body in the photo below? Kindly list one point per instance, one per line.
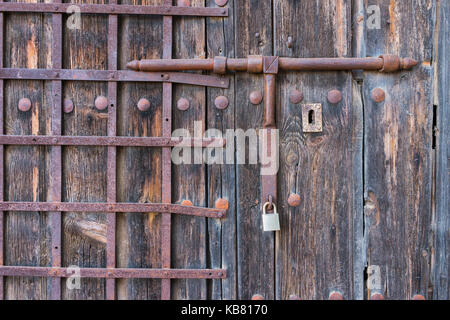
(271, 222)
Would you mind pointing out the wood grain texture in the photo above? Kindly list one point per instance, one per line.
(84, 177)
(441, 259)
(139, 169)
(26, 174)
(316, 247)
(398, 152)
(255, 248)
(189, 234)
(221, 178)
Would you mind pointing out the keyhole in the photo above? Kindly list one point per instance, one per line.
(311, 116)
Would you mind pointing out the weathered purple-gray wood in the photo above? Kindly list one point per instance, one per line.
(441, 259)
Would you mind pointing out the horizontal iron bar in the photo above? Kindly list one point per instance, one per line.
(110, 75)
(109, 141)
(112, 207)
(112, 9)
(115, 273)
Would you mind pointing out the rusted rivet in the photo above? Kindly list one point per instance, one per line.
(68, 106)
(334, 96)
(183, 3)
(295, 96)
(222, 204)
(221, 3)
(289, 42)
(335, 296)
(378, 95)
(183, 104)
(101, 103)
(187, 203)
(294, 297)
(220, 274)
(143, 105)
(294, 200)
(377, 296)
(257, 297)
(110, 274)
(221, 102)
(256, 97)
(419, 297)
(165, 76)
(24, 104)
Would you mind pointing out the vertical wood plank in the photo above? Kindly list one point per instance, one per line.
(221, 178)
(398, 152)
(189, 181)
(2, 149)
(315, 248)
(255, 248)
(441, 220)
(27, 45)
(85, 168)
(139, 169)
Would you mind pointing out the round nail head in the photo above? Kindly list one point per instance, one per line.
(257, 297)
(221, 3)
(143, 105)
(377, 296)
(294, 200)
(101, 103)
(183, 104)
(295, 97)
(24, 104)
(336, 296)
(256, 97)
(183, 3)
(221, 102)
(334, 96)
(68, 106)
(294, 297)
(187, 203)
(378, 95)
(419, 297)
(222, 204)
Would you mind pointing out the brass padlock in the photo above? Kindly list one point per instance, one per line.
(271, 222)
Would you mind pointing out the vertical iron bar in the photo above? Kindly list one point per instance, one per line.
(55, 156)
(112, 153)
(166, 157)
(2, 215)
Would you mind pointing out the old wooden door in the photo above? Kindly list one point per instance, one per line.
(85, 190)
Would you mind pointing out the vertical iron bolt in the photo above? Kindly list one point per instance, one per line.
(221, 102)
(336, 296)
(143, 105)
(183, 104)
(295, 96)
(378, 95)
(101, 103)
(256, 97)
(24, 104)
(221, 3)
(68, 105)
(257, 297)
(377, 296)
(334, 96)
(294, 200)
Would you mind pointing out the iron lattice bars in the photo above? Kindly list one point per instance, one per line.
(56, 140)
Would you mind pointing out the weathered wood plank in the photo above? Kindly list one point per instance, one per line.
(221, 178)
(253, 34)
(315, 248)
(84, 177)
(398, 153)
(189, 181)
(139, 169)
(26, 174)
(441, 259)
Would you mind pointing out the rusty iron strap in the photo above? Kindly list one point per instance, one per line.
(112, 75)
(113, 273)
(113, 207)
(255, 64)
(110, 141)
(112, 9)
